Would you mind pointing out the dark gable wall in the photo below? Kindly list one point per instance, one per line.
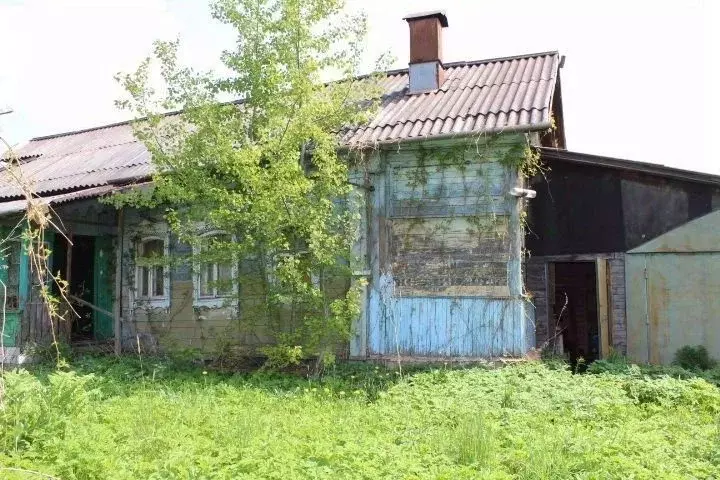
(594, 209)
(577, 210)
(653, 206)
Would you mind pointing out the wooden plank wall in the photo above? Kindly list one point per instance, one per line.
(441, 245)
(445, 247)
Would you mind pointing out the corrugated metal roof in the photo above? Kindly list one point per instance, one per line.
(513, 93)
(103, 156)
(483, 96)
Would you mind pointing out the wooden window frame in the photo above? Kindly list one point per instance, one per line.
(152, 300)
(217, 299)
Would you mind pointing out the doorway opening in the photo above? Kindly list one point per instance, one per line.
(575, 311)
(81, 282)
(87, 265)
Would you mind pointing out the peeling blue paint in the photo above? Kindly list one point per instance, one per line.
(447, 327)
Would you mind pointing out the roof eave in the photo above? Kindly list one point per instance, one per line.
(630, 165)
(451, 136)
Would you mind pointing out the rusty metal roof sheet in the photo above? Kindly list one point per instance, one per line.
(103, 156)
(502, 94)
(16, 206)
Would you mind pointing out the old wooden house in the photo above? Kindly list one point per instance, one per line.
(442, 241)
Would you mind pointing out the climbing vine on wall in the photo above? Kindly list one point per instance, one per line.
(467, 181)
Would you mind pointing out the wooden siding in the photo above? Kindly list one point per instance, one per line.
(444, 247)
(450, 256)
(440, 243)
(627, 208)
(184, 322)
(432, 189)
(447, 327)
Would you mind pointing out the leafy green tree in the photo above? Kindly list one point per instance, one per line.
(265, 168)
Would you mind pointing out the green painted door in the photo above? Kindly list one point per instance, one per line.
(10, 262)
(103, 291)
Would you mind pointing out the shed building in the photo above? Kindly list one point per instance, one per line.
(673, 292)
(589, 212)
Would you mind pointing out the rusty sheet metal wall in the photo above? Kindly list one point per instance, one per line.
(677, 304)
(673, 292)
(444, 246)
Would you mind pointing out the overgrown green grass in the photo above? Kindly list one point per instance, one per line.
(113, 419)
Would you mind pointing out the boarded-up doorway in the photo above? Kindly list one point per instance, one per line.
(579, 309)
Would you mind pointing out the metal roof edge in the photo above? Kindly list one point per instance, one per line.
(630, 165)
(118, 124)
(450, 136)
(645, 248)
(99, 127)
(118, 185)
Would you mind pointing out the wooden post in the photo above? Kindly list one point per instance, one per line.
(602, 306)
(118, 281)
(68, 257)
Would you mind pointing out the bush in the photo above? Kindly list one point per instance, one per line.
(694, 358)
(619, 365)
(672, 393)
(282, 356)
(34, 411)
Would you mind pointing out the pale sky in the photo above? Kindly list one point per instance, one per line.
(639, 80)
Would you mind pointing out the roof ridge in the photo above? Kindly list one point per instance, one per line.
(467, 63)
(464, 63)
(99, 127)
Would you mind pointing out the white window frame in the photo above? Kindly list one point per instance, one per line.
(153, 301)
(216, 300)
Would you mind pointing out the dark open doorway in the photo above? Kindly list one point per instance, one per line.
(81, 284)
(575, 310)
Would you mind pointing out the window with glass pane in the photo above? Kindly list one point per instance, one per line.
(151, 278)
(215, 278)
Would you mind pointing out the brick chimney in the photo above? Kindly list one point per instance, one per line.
(426, 67)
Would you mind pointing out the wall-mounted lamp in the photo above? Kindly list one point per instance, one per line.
(523, 192)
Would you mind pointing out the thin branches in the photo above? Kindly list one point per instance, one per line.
(37, 219)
